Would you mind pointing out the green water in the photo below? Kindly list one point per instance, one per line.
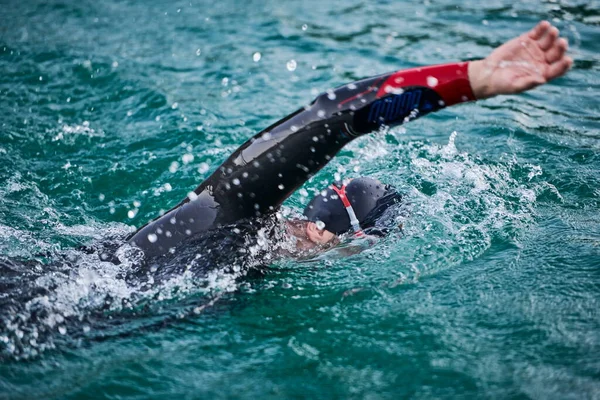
(113, 110)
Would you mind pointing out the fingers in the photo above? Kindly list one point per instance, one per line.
(554, 48)
(539, 30)
(557, 51)
(559, 68)
(548, 38)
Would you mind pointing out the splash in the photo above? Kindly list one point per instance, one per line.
(96, 290)
(456, 204)
(69, 133)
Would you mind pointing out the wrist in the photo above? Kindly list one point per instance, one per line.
(479, 75)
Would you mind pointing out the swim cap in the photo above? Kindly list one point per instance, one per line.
(368, 197)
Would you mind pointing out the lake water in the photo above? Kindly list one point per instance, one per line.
(114, 110)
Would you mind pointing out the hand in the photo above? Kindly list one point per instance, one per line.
(522, 63)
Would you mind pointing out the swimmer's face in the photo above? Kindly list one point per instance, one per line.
(309, 237)
(319, 236)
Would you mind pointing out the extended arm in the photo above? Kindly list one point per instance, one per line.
(269, 167)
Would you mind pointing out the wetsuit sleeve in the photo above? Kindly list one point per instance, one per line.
(269, 167)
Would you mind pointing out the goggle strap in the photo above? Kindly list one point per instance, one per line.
(351, 214)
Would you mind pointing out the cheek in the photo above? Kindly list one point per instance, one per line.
(327, 236)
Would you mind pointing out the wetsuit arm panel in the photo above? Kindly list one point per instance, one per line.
(406, 95)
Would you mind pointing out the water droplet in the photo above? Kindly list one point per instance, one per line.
(136, 203)
(281, 187)
(291, 65)
(393, 89)
(174, 106)
(256, 56)
(187, 158)
(321, 113)
(432, 81)
(320, 225)
(198, 52)
(225, 81)
(131, 213)
(173, 167)
(62, 330)
(304, 27)
(203, 167)
(152, 238)
(101, 197)
(192, 196)
(235, 181)
(115, 64)
(331, 94)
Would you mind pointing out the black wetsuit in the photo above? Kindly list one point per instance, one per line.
(268, 168)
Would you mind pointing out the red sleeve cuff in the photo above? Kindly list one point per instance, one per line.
(450, 81)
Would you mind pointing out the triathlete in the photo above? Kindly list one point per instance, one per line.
(256, 179)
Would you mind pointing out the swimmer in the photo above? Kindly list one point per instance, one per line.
(255, 180)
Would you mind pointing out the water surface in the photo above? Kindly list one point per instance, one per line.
(114, 110)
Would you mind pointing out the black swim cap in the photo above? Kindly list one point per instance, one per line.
(369, 199)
